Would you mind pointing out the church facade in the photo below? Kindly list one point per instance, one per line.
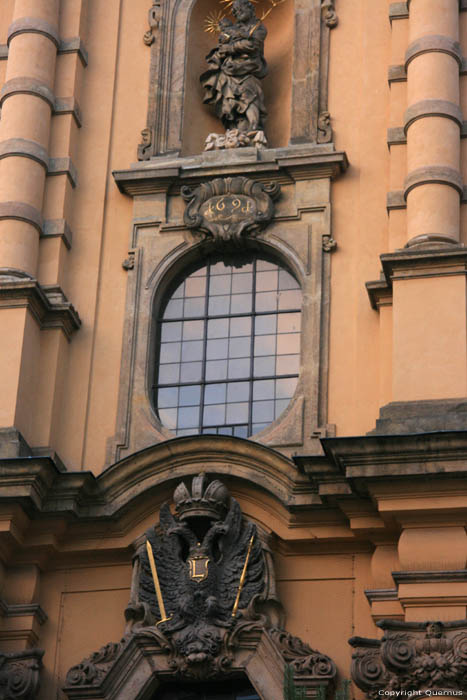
(233, 437)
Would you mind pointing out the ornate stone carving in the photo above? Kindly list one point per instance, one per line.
(232, 83)
(92, 669)
(129, 262)
(154, 15)
(301, 657)
(329, 13)
(203, 600)
(229, 208)
(412, 656)
(19, 674)
(234, 138)
(144, 148)
(329, 243)
(324, 128)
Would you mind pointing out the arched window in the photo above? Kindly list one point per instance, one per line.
(228, 347)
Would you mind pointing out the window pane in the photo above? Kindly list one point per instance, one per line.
(214, 415)
(287, 364)
(194, 307)
(285, 388)
(288, 344)
(167, 398)
(193, 330)
(239, 369)
(267, 301)
(289, 323)
(263, 411)
(170, 352)
(171, 331)
(286, 281)
(265, 366)
(242, 283)
(219, 306)
(265, 265)
(188, 417)
(192, 350)
(216, 369)
(217, 349)
(266, 324)
(215, 393)
(266, 281)
(290, 300)
(174, 309)
(169, 374)
(191, 371)
(238, 391)
(219, 328)
(239, 347)
(265, 345)
(241, 303)
(237, 413)
(195, 286)
(190, 395)
(263, 390)
(240, 326)
(168, 417)
(220, 285)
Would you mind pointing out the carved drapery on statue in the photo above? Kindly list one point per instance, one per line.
(232, 83)
(228, 209)
(203, 606)
(426, 658)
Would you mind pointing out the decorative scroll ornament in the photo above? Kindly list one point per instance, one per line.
(329, 13)
(154, 18)
(324, 128)
(19, 674)
(144, 148)
(229, 208)
(203, 598)
(430, 656)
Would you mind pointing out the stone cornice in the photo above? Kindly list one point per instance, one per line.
(47, 304)
(436, 259)
(283, 165)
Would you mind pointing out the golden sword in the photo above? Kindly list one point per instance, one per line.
(157, 585)
(243, 577)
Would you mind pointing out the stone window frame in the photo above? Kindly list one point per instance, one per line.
(305, 419)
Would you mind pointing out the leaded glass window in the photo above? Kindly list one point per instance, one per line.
(228, 348)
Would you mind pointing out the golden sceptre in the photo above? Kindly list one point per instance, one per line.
(157, 585)
(243, 577)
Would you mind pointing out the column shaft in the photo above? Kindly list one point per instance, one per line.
(433, 186)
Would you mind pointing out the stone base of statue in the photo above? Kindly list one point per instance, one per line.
(235, 138)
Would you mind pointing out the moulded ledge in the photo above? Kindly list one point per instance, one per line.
(286, 165)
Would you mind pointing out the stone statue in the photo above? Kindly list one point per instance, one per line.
(233, 81)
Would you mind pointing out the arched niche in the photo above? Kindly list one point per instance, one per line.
(198, 119)
(296, 49)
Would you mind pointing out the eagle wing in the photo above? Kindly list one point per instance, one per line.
(169, 564)
(234, 546)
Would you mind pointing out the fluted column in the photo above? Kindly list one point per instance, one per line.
(27, 102)
(433, 186)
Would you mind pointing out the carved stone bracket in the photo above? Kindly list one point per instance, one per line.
(412, 656)
(329, 13)
(229, 208)
(19, 674)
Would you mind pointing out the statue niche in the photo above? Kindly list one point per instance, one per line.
(233, 81)
(202, 608)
